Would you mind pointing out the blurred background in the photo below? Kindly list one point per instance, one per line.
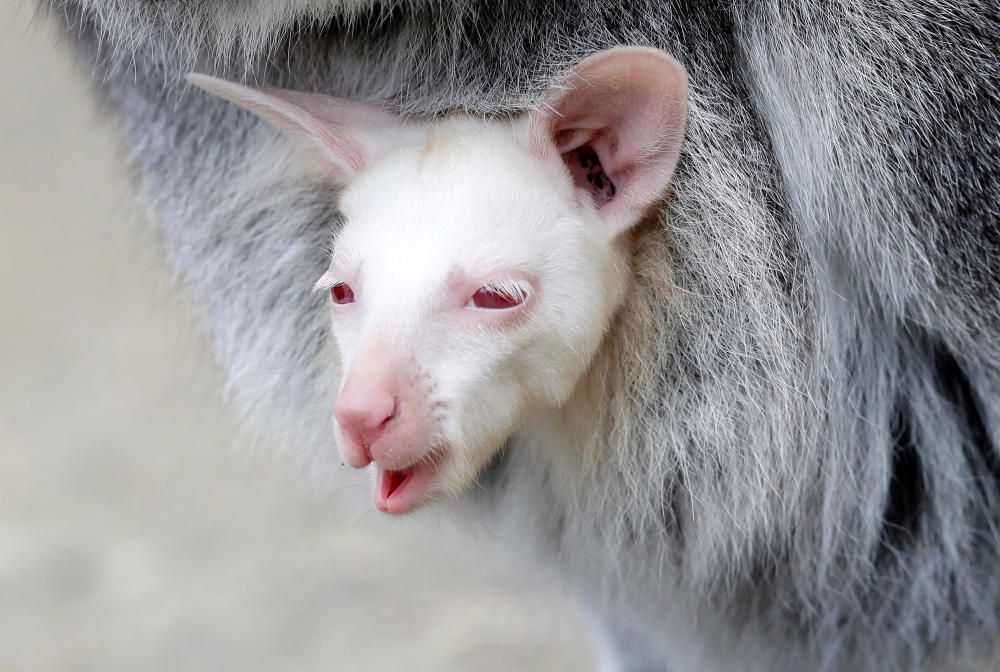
(137, 531)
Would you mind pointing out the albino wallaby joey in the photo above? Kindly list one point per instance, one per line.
(480, 261)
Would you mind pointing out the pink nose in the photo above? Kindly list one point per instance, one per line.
(363, 414)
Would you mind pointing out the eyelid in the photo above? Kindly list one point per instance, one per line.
(513, 288)
(338, 274)
(326, 282)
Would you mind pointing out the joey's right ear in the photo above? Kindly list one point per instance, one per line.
(617, 121)
(341, 136)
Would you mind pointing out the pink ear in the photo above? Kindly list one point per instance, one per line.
(341, 135)
(617, 122)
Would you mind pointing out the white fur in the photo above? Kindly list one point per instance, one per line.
(477, 203)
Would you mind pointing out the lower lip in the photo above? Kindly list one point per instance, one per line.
(399, 492)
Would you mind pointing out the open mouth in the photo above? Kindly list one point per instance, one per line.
(401, 491)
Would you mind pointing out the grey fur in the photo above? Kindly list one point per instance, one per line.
(803, 472)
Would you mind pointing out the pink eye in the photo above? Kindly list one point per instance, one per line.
(342, 293)
(500, 296)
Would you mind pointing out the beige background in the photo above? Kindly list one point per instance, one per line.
(136, 533)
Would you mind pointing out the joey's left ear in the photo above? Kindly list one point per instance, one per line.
(617, 122)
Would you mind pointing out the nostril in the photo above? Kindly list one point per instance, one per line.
(365, 420)
(393, 412)
(379, 421)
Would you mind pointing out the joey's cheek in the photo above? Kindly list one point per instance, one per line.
(345, 337)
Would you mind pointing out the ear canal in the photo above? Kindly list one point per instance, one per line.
(617, 121)
(340, 136)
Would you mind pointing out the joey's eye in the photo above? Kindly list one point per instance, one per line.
(342, 293)
(498, 296)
